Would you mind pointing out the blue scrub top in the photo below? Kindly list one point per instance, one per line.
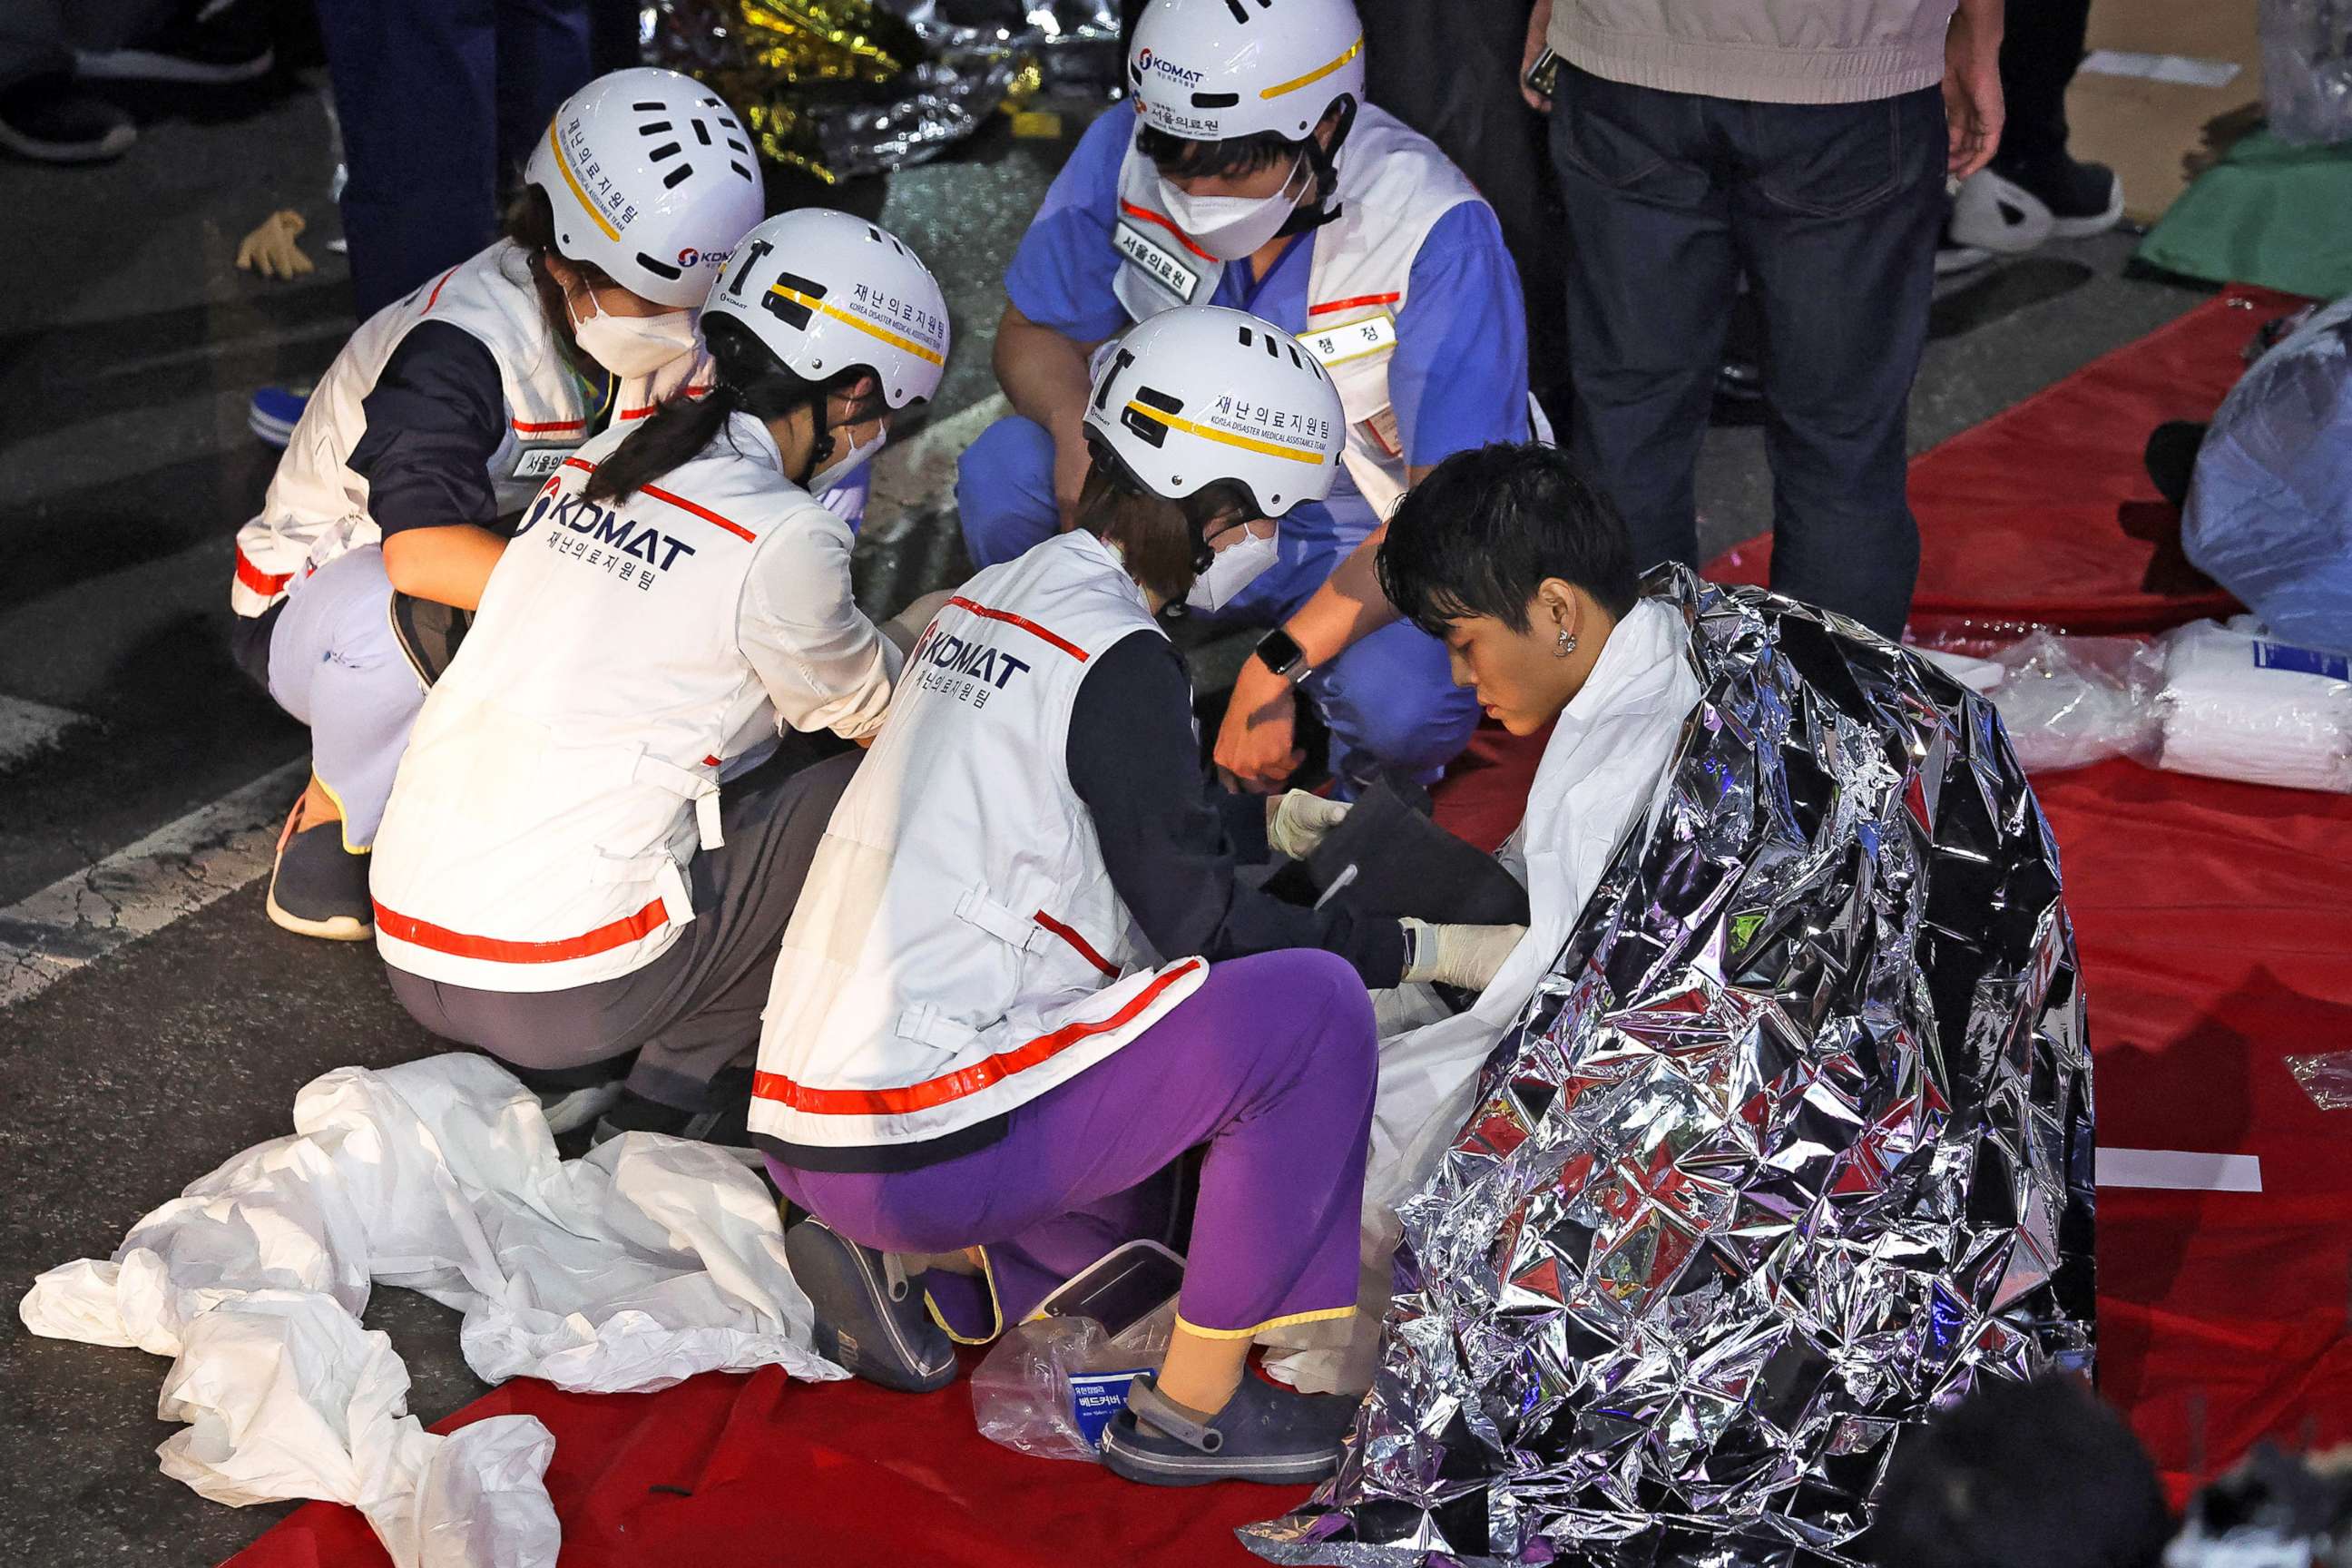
(1457, 377)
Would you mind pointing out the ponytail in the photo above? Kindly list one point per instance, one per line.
(750, 380)
(675, 434)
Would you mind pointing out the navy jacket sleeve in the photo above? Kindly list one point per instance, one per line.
(1135, 763)
(433, 418)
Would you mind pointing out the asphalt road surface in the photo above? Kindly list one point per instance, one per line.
(154, 1022)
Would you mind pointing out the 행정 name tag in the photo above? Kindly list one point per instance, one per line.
(1158, 263)
(538, 462)
(1354, 339)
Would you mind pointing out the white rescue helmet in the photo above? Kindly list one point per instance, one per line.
(1202, 395)
(1210, 70)
(650, 177)
(829, 292)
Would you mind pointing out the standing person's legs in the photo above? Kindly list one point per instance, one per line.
(1004, 490)
(2041, 49)
(545, 55)
(695, 1010)
(1391, 702)
(1649, 280)
(417, 91)
(1837, 216)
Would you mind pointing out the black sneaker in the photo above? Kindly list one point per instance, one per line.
(2082, 199)
(869, 1317)
(49, 119)
(1266, 1433)
(215, 43)
(317, 888)
(725, 1124)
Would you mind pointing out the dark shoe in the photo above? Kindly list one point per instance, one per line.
(2082, 199)
(317, 888)
(273, 413)
(1266, 1433)
(869, 1316)
(49, 119)
(725, 1124)
(214, 43)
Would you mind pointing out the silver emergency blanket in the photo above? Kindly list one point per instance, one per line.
(844, 87)
(1793, 1145)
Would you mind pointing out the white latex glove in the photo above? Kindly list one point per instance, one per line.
(907, 624)
(1461, 955)
(1297, 822)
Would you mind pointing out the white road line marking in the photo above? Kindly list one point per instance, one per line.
(142, 888)
(29, 727)
(2181, 1170)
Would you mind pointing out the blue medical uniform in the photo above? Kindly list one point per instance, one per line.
(1457, 379)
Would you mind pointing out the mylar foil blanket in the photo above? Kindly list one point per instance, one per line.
(1793, 1145)
(844, 87)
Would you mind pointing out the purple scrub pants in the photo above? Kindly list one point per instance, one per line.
(1270, 1064)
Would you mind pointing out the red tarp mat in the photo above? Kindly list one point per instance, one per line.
(2213, 920)
(2044, 514)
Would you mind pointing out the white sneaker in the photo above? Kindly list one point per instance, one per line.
(1997, 217)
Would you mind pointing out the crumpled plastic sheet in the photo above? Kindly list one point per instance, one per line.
(2069, 701)
(2307, 69)
(845, 88)
(1021, 1392)
(2326, 1078)
(644, 1263)
(1793, 1146)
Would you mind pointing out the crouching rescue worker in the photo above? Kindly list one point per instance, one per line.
(560, 881)
(1253, 175)
(443, 414)
(1022, 979)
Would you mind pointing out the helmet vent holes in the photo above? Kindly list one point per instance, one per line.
(1296, 361)
(714, 102)
(653, 128)
(677, 177)
(1249, 339)
(666, 149)
(655, 107)
(701, 132)
(742, 170)
(1273, 350)
(659, 269)
(1216, 99)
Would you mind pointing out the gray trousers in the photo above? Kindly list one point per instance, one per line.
(695, 1010)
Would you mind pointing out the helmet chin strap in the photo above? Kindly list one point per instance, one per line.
(1324, 162)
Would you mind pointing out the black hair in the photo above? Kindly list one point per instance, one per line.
(1177, 158)
(1483, 529)
(2021, 1475)
(750, 379)
(530, 222)
(1164, 543)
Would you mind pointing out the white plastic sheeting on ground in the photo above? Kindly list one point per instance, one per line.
(644, 1263)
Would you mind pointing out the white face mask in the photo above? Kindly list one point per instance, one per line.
(1230, 228)
(1230, 570)
(633, 345)
(846, 463)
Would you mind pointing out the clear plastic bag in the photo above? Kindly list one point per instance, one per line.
(1052, 1383)
(2069, 701)
(2240, 705)
(2307, 69)
(2326, 1078)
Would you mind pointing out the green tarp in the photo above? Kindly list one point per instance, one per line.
(2268, 214)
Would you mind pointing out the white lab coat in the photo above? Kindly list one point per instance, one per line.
(1602, 769)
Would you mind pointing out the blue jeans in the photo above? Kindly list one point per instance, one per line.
(1390, 700)
(1832, 211)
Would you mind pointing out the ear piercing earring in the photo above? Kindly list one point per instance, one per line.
(1566, 646)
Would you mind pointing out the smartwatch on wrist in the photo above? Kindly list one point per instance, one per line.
(1280, 652)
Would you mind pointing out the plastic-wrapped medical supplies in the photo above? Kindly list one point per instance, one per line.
(2307, 69)
(2270, 512)
(1793, 1144)
(2238, 704)
(2069, 701)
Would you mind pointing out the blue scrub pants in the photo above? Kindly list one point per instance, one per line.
(441, 102)
(335, 665)
(1390, 700)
